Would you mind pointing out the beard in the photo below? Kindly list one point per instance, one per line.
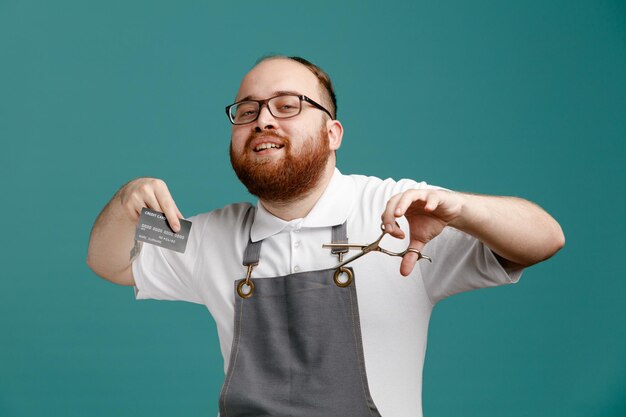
(287, 178)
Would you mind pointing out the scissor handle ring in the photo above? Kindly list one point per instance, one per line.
(420, 256)
(340, 271)
(240, 291)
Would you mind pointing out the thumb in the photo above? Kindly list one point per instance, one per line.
(410, 258)
(408, 263)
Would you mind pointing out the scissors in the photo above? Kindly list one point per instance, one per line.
(372, 247)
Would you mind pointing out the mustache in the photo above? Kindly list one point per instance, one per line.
(284, 139)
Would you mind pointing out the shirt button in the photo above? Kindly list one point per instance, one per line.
(296, 268)
(296, 231)
(296, 244)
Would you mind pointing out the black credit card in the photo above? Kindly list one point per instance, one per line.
(153, 228)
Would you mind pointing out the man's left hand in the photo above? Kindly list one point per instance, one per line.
(428, 213)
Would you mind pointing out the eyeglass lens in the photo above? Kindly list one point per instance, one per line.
(280, 106)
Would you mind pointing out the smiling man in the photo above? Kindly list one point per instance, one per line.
(299, 335)
(291, 162)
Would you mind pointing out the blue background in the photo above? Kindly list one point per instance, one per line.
(514, 98)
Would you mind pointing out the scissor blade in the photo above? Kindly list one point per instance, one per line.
(342, 245)
(354, 258)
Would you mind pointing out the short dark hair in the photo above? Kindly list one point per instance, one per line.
(328, 92)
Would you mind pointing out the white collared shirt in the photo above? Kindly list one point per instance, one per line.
(394, 310)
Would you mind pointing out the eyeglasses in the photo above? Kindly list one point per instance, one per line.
(282, 106)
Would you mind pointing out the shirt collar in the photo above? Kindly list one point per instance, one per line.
(331, 209)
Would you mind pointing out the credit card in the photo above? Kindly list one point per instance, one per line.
(154, 228)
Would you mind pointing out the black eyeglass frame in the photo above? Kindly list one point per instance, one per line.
(265, 102)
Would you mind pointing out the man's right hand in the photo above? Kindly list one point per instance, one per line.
(153, 194)
(112, 245)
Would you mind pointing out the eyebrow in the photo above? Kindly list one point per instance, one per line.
(274, 94)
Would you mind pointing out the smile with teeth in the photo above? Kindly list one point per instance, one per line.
(263, 146)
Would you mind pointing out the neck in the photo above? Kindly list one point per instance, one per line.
(301, 206)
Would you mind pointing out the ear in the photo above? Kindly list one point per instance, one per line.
(335, 134)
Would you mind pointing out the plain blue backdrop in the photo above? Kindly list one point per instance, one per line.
(514, 98)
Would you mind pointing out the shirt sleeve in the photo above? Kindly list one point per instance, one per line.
(164, 274)
(461, 263)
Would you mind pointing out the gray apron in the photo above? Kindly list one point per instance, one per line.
(297, 348)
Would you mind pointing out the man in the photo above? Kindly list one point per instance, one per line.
(299, 336)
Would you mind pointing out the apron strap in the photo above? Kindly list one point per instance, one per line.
(340, 235)
(253, 250)
(252, 253)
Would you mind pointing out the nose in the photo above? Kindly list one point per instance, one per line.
(265, 119)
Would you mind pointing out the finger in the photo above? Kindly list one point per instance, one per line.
(145, 197)
(396, 231)
(168, 205)
(432, 202)
(179, 215)
(402, 204)
(171, 216)
(388, 218)
(408, 263)
(410, 198)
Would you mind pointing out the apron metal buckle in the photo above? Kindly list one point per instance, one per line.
(339, 273)
(249, 285)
